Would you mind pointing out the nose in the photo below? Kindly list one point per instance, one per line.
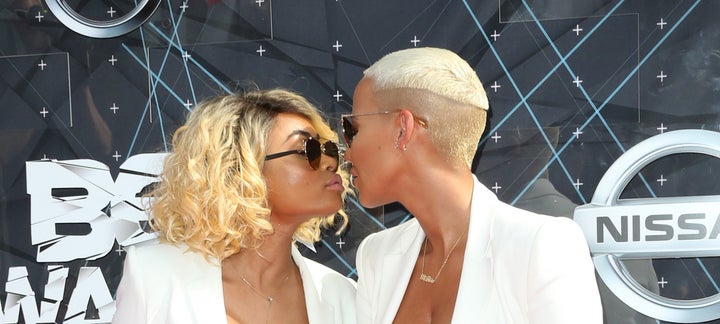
(328, 163)
(346, 155)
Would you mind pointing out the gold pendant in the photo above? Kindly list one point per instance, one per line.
(426, 278)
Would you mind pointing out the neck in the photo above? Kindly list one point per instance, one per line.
(270, 263)
(440, 200)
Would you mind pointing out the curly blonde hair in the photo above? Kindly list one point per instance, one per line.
(212, 196)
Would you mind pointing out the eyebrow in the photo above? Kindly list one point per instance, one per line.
(300, 132)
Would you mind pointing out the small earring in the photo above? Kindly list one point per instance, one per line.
(397, 147)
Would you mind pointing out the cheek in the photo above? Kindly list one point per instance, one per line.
(286, 180)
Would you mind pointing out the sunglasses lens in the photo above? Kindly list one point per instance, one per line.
(348, 130)
(331, 149)
(313, 152)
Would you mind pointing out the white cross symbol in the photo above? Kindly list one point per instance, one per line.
(662, 282)
(120, 250)
(184, 6)
(42, 65)
(661, 180)
(259, 2)
(662, 76)
(39, 16)
(187, 104)
(114, 108)
(415, 41)
(337, 46)
(662, 23)
(117, 156)
(261, 50)
(495, 86)
(340, 242)
(186, 55)
(577, 184)
(662, 128)
(496, 137)
(112, 60)
(496, 187)
(577, 133)
(337, 95)
(111, 12)
(44, 112)
(577, 30)
(495, 35)
(577, 81)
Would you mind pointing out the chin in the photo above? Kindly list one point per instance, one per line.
(333, 208)
(368, 203)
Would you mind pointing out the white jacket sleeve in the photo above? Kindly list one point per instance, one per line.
(362, 298)
(130, 299)
(562, 287)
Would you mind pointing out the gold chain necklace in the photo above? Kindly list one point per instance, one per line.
(269, 298)
(428, 278)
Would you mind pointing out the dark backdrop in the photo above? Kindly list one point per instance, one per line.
(641, 67)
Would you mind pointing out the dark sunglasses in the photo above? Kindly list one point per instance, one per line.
(312, 150)
(349, 131)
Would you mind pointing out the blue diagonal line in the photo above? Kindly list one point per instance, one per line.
(157, 77)
(160, 120)
(127, 49)
(563, 61)
(153, 90)
(182, 51)
(707, 273)
(137, 129)
(405, 218)
(198, 65)
(162, 67)
(617, 89)
(549, 74)
(151, 96)
(340, 258)
(165, 85)
(154, 97)
(523, 100)
(371, 217)
(164, 60)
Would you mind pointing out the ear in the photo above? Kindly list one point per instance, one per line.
(406, 121)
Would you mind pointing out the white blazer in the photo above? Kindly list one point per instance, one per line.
(519, 267)
(162, 283)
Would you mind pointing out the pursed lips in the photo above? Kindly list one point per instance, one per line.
(335, 182)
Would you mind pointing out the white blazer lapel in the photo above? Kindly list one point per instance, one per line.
(318, 310)
(397, 268)
(205, 295)
(476, 294)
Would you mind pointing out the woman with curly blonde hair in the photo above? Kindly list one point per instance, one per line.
(249, 175)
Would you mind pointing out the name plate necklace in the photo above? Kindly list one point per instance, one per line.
(427, 278)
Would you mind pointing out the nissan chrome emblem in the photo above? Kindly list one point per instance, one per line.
(122, 25)
(641, 228)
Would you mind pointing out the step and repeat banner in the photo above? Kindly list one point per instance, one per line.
(606, 112)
